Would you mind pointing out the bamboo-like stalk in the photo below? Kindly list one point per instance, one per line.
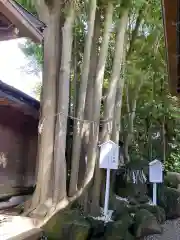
(59, 189)
(98, 85)
(77, 133)
(117, 65)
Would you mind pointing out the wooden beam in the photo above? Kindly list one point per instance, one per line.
(7, 100)
(170, 24)
(26, 28)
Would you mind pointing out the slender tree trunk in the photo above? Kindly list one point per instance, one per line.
(142, 11)
(120, 87)
(92, 75)
(93, 66)
(81, 103)
(75, 78)
(110, 102)
(131, 116)
(89, 107)
(118, 104)
(117, 117)
(111, 95)
(62, 111)
(131, 109)
(98, 85)
(126, 146)
(118, 57)
(164, 140)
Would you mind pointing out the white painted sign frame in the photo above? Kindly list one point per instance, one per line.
(156, 171)
(109, 159)
(109, 155)
(155, 176)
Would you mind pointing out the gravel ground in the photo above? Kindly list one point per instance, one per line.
(171, 231)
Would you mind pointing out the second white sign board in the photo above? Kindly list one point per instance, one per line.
(156, 171)
(109, 155)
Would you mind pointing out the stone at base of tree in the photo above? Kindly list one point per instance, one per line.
(97, 238)
(157, 211)
(142, 199)
(120, 208)
(169, 200)
(97, 228)
(67, 225)
(172, 179)
(145, 224)
(119, 229)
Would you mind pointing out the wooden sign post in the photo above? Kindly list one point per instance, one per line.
(155, 176)
(109, 159)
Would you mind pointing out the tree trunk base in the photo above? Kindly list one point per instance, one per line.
(44, 212)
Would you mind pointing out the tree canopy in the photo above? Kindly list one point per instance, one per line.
(155, 108)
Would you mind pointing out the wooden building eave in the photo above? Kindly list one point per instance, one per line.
(22, 23)
(16, 99)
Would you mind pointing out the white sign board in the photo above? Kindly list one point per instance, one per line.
(156, 171)
(109, 155)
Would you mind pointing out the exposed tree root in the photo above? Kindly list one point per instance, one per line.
(43, 213)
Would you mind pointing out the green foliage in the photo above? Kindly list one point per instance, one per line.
(33, 50)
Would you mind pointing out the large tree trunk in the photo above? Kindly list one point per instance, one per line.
(52, 44)
(77, 137)
(42, 9)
